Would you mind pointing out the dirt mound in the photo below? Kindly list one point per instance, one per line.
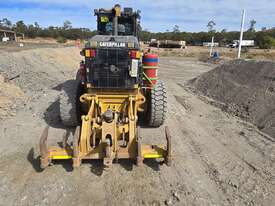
(9, 96)
(247, 89)
(35, 70)
(39, 74)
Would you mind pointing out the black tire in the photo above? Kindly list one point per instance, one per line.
(157, 105)
(70, 112)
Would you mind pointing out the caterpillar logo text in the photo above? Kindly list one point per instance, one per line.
(112, 44)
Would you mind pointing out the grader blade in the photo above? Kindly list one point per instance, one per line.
(47, 154)
(104, 151)
(155, 151)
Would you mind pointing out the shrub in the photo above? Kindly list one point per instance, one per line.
(265, 41)
(61, 40)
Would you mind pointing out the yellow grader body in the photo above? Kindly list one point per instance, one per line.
(113, 86)
(108, 131)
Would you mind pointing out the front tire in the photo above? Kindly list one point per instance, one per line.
(70, 104)
(157, 105)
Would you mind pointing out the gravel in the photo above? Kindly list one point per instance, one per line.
(208, 167)
(246, 88)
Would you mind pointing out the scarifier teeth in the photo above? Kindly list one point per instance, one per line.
(65, 139)
(43, 148)
(169, 150)
(43, 141)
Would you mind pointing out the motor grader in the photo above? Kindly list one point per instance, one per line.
(115, 90)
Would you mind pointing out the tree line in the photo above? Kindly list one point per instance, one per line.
(265, 38)
(67, 31)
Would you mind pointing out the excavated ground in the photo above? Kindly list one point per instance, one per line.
(219, 159)
(244, 88)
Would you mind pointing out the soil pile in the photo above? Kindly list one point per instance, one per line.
(35, 70)
(38, 73)
(10, 95)
(244, 87)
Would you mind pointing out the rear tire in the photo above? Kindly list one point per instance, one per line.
(157, 105)
(70, 104)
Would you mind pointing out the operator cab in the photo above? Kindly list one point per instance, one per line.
(126, 23)
(113, 57)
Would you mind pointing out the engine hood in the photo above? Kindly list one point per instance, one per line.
(106, 41)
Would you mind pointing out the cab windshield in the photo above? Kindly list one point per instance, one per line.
(125, 26)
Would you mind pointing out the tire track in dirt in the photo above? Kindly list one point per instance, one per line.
(195, 171)
(249, 138)
(250, 175)
(252, 141)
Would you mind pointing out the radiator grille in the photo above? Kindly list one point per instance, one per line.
(110, 69)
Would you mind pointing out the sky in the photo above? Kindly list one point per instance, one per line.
(157, 15)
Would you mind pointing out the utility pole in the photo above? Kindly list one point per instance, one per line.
(241, 35)
(212, 45)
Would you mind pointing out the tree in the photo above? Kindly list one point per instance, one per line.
(264, 41)
(176, 29)
(145, 35)
(20, 27)
(211, 24)
(36, 25)
(67, 25)
(5, 23)
(220, 38)
(31, 31)
(252, 25)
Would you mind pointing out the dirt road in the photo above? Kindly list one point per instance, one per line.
(218, 158)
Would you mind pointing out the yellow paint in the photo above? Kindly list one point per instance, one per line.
(131, 45)
(87, 53)
(93, 44)
(104, 19)
(62, 157)
(117, 11)
(138, 55)
(152, 156)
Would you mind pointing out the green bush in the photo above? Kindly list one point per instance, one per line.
(265, 41)
(61, 40)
